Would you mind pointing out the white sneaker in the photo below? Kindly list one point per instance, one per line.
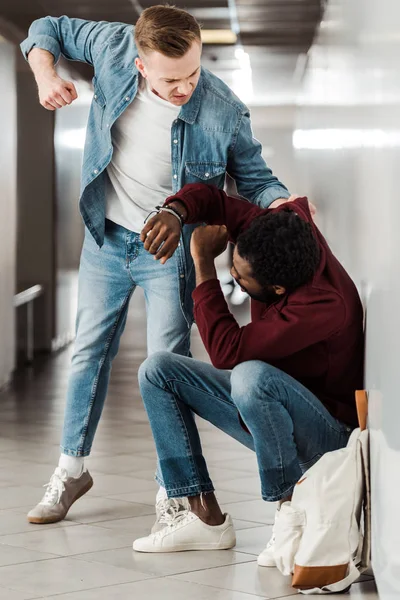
(267, 558)
(167, 509)
(187, 532)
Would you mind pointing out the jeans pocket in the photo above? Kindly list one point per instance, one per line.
(288, 532)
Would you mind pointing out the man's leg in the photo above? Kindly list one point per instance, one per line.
(169, 321)
(105, 287)
(174, 388)
(291, 428)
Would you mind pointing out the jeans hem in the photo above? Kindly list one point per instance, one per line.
(76, 453)
(184, 490)
(279, 496)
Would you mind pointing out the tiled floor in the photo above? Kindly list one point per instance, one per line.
(89, 556)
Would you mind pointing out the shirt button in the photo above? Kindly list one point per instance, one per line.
(182, 276)
(95, 171)
(207, 174)
(175, 176)
(95, 96)
(175, 141)
(127, 98)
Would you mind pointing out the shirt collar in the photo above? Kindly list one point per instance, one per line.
(190, 110)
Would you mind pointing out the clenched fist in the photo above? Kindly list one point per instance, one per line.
(208, 242)
(55, 92)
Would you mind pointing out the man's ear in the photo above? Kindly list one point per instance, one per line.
(140, 67)
(279, 290)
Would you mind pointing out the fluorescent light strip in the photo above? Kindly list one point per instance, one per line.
(338, 139)
(218, 36)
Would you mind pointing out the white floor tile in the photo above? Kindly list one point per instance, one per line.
(253, 540)
(91, 509)
(166, 564)
(246, 577)
(253, 510)
(12, 521)
(10, 555)
(155, 589)
(67, 541)
(48, 577)
(7, 594)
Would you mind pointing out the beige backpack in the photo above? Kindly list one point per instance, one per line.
(322, 537)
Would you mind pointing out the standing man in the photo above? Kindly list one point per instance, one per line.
(158, 120)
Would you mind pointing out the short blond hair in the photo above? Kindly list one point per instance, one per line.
(166, 29)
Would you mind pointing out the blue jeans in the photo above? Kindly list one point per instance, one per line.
(289, 427)
(107, 278)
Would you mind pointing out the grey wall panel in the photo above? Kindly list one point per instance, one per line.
(36, 243)
(8, 202)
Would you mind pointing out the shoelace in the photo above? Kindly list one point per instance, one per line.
(168, 509)
(55, 487)
(173, 523)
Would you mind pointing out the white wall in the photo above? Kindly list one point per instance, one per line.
(348, 145)
(273, 127)
(8, 200)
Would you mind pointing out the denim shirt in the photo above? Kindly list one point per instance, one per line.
(212, 135)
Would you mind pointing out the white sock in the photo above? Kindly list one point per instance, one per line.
(72, 464)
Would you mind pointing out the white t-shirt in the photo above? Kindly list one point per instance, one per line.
(140, 169)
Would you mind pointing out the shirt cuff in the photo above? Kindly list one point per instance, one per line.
(44, 42)
(270, 195)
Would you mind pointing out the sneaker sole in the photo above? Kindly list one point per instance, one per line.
(266, 564)
(48, 520)
(186, 548)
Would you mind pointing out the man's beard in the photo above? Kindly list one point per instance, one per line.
(268, 296)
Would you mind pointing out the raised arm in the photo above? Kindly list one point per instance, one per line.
(74, 39)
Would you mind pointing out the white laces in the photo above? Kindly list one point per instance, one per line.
(175, 522)
(169, 508)
(55, 487)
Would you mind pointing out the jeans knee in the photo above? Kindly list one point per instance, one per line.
(155, 367)
(247, 379)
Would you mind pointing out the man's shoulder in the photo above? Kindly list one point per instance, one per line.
(121, 42)
(219, 93)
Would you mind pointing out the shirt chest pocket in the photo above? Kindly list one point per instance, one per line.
(99, 103)
(209, 172)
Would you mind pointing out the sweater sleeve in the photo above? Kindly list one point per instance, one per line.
(208, 204)
(280, 333)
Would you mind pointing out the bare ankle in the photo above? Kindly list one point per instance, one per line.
(206, 507)
(287, 499)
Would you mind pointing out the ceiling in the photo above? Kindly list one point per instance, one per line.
(273, 35)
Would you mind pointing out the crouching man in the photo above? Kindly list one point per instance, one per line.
(283, 385)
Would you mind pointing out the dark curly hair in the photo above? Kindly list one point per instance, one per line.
(281, 249)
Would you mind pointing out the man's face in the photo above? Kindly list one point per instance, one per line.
(173, 79)
(242, 272)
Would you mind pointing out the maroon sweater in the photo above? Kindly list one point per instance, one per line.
(314, 334)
